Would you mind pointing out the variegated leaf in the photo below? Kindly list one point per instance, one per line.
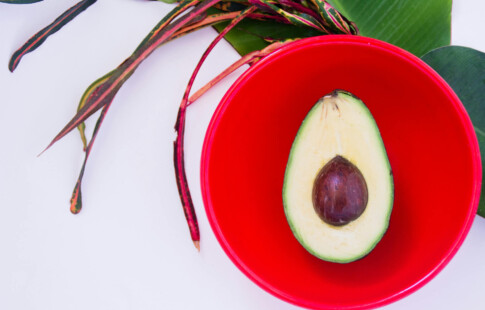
(39, 38)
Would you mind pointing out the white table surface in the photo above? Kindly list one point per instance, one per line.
(130, 248)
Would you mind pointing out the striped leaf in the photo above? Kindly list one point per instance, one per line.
(296, 6)
(178, 22)
(179, 164)
(207, 21)
(39, 38)
(104, 93)
(295, 19)
(89, 91)
(76, 199)
(251, 35)
(333, 19)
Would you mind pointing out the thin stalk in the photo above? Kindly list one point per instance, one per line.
(76, 198)
(249, 59)
(180, 174)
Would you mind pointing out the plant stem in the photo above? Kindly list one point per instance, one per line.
(178, 148)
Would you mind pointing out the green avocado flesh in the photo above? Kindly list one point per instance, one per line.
(338, 189)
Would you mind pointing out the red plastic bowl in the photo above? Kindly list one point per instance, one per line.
(431, 146)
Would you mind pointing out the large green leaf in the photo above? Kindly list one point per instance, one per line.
(416, 26)
(464, 69)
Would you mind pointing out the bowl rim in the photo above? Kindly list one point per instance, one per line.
(348, 40)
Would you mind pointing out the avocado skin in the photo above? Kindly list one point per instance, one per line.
(346, 95)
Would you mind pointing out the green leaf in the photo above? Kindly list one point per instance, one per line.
(253, 35)
(464, 70)
(20, 1)
(416, 26)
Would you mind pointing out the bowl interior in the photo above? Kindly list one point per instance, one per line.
(430, 146)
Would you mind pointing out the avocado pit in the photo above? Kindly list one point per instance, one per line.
(339, 192)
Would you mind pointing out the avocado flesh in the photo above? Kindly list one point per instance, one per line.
(338, 125)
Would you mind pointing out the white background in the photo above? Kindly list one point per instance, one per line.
(130, 247)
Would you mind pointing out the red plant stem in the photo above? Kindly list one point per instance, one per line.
(250, 59)
(233, 23)
(246, 59)
(180, 174)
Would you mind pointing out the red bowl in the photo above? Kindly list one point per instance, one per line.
(431, 146)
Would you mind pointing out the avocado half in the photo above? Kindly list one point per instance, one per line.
(338, 135)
